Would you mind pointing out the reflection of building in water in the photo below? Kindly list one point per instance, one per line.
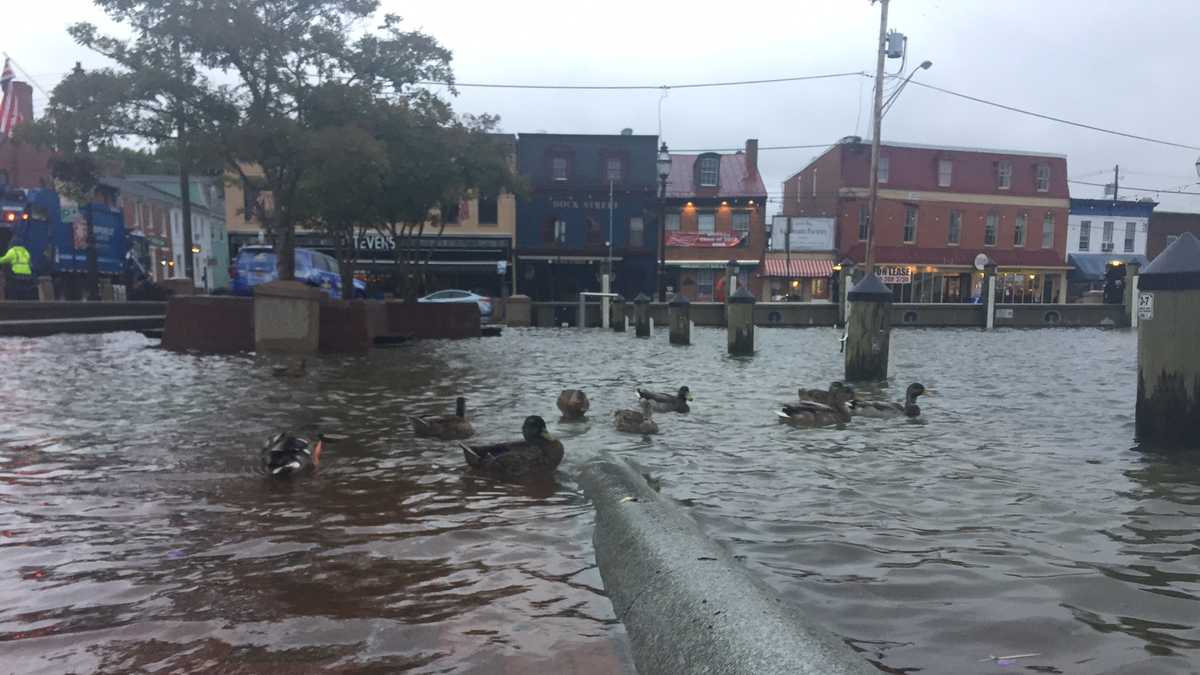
(938, 209)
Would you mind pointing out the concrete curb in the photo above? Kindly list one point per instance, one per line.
(687, 605)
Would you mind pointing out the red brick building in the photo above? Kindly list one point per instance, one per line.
(715, 213)
(1165, 227)
(939, 207)
(22, 164)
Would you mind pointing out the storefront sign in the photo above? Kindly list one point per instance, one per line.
(1145, 306)
(806, 234)
(583, 204)
(893, 274)
(705, 239)
(375, 241)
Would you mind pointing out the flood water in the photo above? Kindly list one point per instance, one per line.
(136, 534)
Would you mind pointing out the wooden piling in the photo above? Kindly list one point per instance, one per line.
(616, 317)
(740, 329)
(868, 330)
(1168, 310)
(641, 315)
(680, 313)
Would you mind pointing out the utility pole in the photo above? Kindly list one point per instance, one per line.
(1116, 180)
(185, 191)
(873, 199)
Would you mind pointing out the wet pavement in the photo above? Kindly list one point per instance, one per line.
(137, 535)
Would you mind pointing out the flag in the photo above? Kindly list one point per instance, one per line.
(8, 101)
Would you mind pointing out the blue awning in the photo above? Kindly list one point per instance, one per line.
(1092, 266)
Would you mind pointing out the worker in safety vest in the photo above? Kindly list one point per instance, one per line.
(20, 282)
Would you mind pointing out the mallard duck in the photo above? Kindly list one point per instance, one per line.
(294, 370)
(285, 454)
(634, 422)
(812, 414)
(893, 408)
(573, 404)
(538, 453)
(662, 402)
(822, 396)
(446, 427)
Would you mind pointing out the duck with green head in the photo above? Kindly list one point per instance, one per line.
(537, 453)
(908, 408)
(667, 402)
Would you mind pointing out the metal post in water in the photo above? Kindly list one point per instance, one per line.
(989, 287)
(868, 330)
(680, 313)
(581, 317)
(1168, 309)
(617, 320)
(740, 328)
(641, 315)
(1131, 292)
(604, 301)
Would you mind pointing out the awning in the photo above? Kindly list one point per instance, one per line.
(800, 267)
(1092, 266)
(710, 264)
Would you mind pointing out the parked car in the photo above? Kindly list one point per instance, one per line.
(256, 265)
(452, 295)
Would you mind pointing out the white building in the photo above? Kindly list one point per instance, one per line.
(1102, 233)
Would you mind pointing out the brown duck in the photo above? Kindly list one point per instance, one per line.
(573, 404)
(446, 427)
(538, 453)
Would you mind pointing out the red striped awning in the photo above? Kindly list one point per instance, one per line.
(801, 267)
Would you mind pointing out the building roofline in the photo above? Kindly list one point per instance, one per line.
(964, 148)
(617, 135)
(814, 160)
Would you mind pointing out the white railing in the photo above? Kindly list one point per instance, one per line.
(604, 300)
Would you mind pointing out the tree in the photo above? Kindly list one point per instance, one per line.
(87, 113)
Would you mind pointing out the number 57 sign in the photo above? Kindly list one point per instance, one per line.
(1145, 306)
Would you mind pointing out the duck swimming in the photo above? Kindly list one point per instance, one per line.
(663, 402)
(286, 454)
(813, 414)
(446, 427)
(892, 408)
(573, 404)
(294, 370)
(537, 453)
(822, 396)
(634, 422)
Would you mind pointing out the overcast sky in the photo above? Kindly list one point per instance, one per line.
(1110, 63)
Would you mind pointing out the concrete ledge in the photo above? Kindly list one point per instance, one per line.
(94, 324)
(219, 324)
(433, 320)
(687, 605)
(16, 310)
(349, 326)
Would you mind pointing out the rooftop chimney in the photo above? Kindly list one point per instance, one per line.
(752, 156)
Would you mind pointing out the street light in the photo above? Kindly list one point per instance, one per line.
(1198, 166)
(664, 170)
(196, 249)
(925, 65)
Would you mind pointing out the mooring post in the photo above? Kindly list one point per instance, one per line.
(1131, 292)
(680, 313)
(740, 330)
(641, 315)
(604, 300)
(868, 330)
(1168, 308)
(989, 287)
(617, 316)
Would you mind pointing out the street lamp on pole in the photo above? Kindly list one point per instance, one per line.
(925, 65)
(664, 170)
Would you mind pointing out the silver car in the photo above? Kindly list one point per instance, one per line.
(485, 304)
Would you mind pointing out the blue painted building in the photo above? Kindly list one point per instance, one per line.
(566, 224)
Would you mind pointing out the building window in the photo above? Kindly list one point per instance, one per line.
(595, 233)
(554, 231)
(1004, 175)
(885, 169)
(637, 232)
(990, 229)
(710, 171)
(489, 209)
(1129, 230)
(1019, 229)
(1107, 237)
(612, 169)
(1048, 230)
(741, 222)
(672, 222)
(1085, 235)
(910, 223)
(1043, 177)
(818, 287)
(706, 222)
(704, 282)
(558, 168)
(864, 218)
(955, 233)
(945, 170)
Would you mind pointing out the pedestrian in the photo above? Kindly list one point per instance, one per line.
(20, 280)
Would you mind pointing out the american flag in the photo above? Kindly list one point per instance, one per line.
(9, 117)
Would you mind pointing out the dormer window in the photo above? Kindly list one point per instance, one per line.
(709, 171)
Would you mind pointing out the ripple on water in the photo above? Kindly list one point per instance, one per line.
(1014, 519)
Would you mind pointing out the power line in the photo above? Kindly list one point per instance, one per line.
(763, 147)
(1057, 119)
(1137, 189)
(636, 87)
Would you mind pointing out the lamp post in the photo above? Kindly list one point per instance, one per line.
(664, 170)
(191, 269)
(925, 65)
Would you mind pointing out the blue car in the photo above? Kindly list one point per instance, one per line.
(256, 265)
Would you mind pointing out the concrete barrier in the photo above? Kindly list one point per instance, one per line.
(687, 605)
(220, 324)
(434, 320)
(350, 326)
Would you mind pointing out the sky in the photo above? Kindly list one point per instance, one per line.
(1120, 65)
